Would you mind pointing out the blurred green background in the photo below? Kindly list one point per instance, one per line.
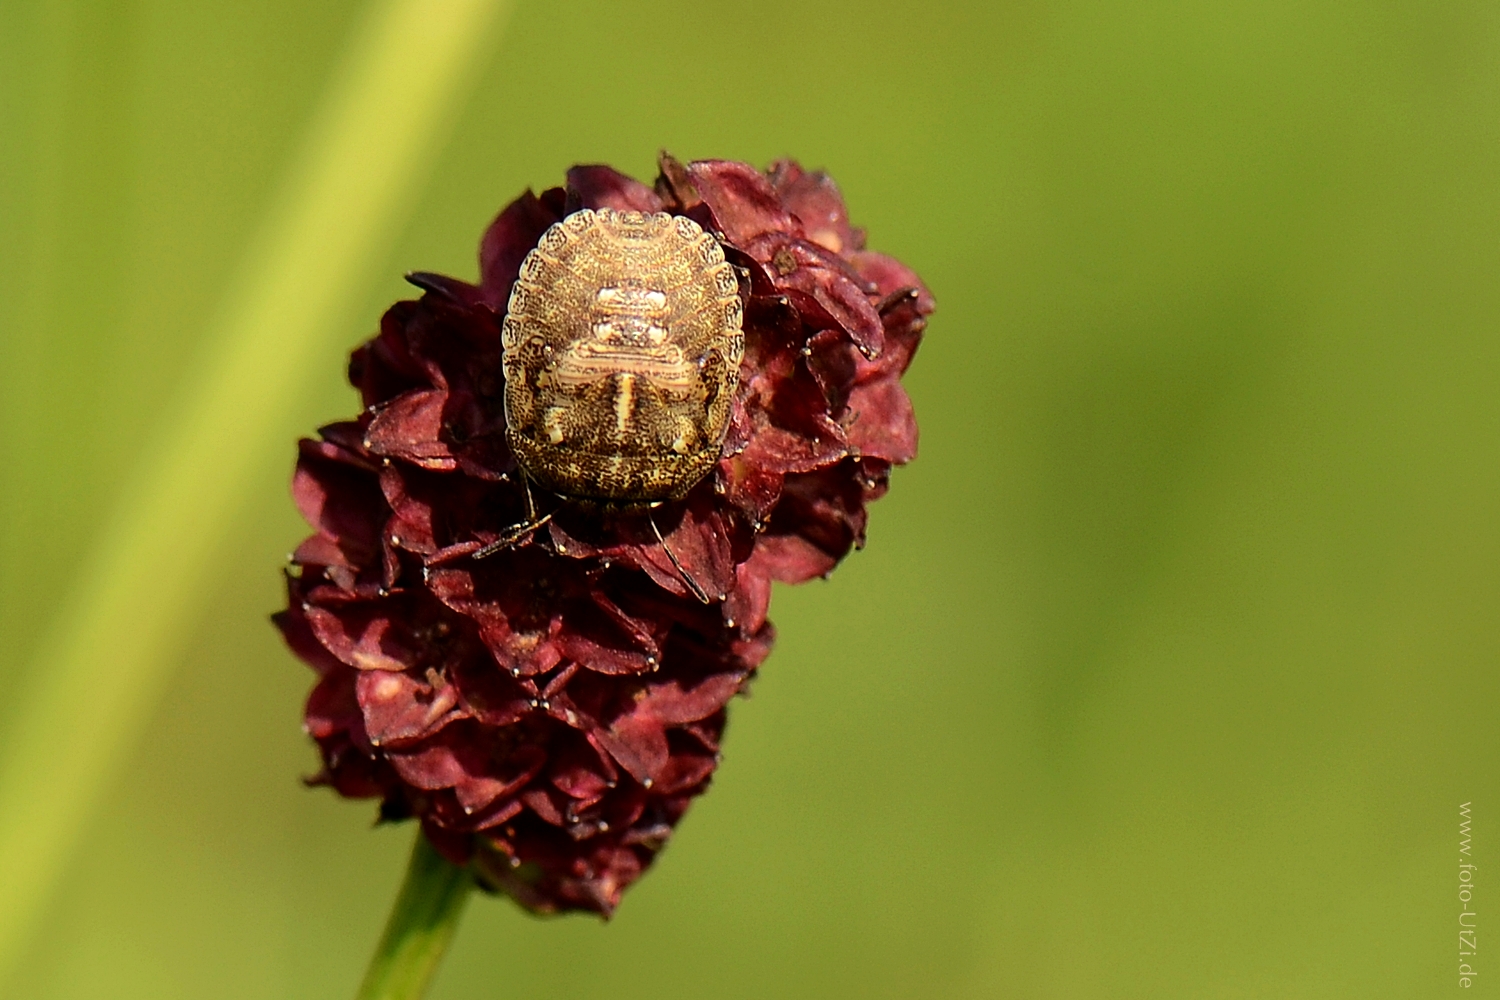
(1168, 662)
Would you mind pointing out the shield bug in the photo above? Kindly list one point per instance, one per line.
(622, 343)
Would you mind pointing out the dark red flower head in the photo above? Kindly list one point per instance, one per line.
(549, 710)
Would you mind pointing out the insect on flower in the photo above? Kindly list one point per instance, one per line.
(698, 382)
(622, 354)
(622, 347)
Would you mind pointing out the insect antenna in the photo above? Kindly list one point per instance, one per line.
(516, 532)
(687, 577)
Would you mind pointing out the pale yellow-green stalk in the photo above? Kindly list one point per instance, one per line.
(121, 629)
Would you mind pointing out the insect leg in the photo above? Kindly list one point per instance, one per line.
(530, 502)
(687, 577)
(516, 532)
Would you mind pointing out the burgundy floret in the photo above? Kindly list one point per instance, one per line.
(548, 712)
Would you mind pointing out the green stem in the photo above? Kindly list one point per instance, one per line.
(421, 925)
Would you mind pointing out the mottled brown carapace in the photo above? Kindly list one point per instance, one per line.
(622, 349)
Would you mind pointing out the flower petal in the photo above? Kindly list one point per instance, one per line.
(743, 203)
(398, 707)
(510, 238)
(815, 199)
(337, 492)
(410, 427)
(598, 186)
(883, 423)
(365, 636)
